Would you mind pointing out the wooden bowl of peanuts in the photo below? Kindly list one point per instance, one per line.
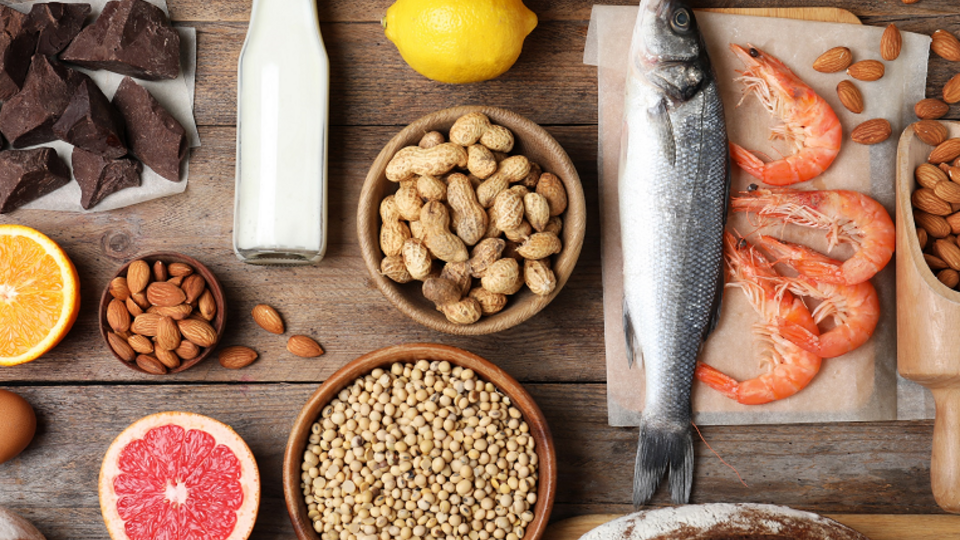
(162, 313)
(471, 220)
(472, 452)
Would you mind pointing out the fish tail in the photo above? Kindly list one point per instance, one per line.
(663, 447)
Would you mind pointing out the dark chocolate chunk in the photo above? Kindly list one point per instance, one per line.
(153, 135)
(17, 43)
(92, 123)
(28, 118)
(131, 37)
(56, 24)
(26, 175)
(99, 176)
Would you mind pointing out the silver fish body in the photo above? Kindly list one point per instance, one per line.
(673, 188)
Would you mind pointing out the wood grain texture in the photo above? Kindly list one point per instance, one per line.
(825, 468)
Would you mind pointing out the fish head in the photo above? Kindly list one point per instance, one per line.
(667, 49)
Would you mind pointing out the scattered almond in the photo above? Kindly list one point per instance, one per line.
(890, 43)
(267, 318)
(304, 346)
(850, 96)
(138, 275)
(948, 150)
(199, 332)
(121, 347)
(951, 90)
(866, 70)
(872, 131)
(946, 45)
(930, 131)
(930, 109)
(236, 357)
(834, 60)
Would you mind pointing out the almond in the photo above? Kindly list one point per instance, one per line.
(165, 294)
(936, 226)
(850, 96)
(267, 318)
(872, 131)
(193, 286)
(176, 280)
(160, 271)
(948, 253)
(890, 43)
(946, 45)
(117, 316)
(954, 174)
(138, 276)
(934, 262)
(179, 269)
(953, 220)
(951, 90)
(169, 359)
(866, 70)
(306, 347)
(948, 191)
(132, 307)
(929, 176)
(236, 357)
(187, 350)
(140, 299)
(207, 305)
(926, 199)
(930, 131)
(834, 60)
(119, 289)
(146, 324)
(168, 335)
(198, 332)
(930, 109)
(922, 236)
(151, 365)
(177, 313)
(141, 344)
(948, 150)
(949, 277)
(121, 347)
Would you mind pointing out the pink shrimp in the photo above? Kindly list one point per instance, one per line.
(808, 121)
(789, 368)
(847, 216)
(854, 308)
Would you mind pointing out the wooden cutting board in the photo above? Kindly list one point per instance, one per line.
(874, 526)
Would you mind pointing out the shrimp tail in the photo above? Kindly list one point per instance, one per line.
(663, 446)
(799, 336)
(747, 160)
(716, 379)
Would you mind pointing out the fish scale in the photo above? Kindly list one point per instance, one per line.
(673, 189)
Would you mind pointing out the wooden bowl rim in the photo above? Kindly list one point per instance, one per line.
(906, 181)
(297, 442)
(525, 304)
(218, 322)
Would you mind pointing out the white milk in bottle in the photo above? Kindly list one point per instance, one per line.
(280, 210)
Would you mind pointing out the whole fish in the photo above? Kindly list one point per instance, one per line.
(673, 185)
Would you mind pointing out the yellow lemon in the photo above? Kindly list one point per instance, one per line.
(458, 41)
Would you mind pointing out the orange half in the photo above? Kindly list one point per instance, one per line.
(39, 294)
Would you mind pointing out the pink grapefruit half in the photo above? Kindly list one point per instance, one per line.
(179, 476)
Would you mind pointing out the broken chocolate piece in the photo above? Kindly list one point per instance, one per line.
(56, 24)
(99, 176)
(28, 117)
(92, 123)
(26, 175)
(17, 43)
(131, 37)
(153, 135)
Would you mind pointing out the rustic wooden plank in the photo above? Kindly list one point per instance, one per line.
(832, 468)
(336, 302)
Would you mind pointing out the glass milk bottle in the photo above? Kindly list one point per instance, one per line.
(280, 207)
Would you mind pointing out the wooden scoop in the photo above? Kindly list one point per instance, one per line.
(928, 328)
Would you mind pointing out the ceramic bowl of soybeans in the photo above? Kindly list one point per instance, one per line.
(420, 441)
(499, 311)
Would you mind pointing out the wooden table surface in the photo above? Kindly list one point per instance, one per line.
(84, 397)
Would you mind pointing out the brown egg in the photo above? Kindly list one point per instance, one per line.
(18, 423)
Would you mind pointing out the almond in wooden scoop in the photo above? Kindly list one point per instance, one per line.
(930, 132)
(930, 109)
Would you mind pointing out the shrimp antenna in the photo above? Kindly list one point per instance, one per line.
(732, 468)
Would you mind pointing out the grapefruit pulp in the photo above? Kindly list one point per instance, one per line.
(179, 476)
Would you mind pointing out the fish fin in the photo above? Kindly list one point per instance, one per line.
(659, 118)
(634, 351)
(663, 448)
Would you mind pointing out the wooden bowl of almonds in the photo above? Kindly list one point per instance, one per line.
(162, 313)
(426, 440)
(471, 220)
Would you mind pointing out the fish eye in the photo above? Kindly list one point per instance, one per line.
(681, 20)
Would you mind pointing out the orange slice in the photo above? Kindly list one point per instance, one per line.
(39, 294)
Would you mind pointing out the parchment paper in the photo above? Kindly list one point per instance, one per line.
(175, 95)
(861, 385)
